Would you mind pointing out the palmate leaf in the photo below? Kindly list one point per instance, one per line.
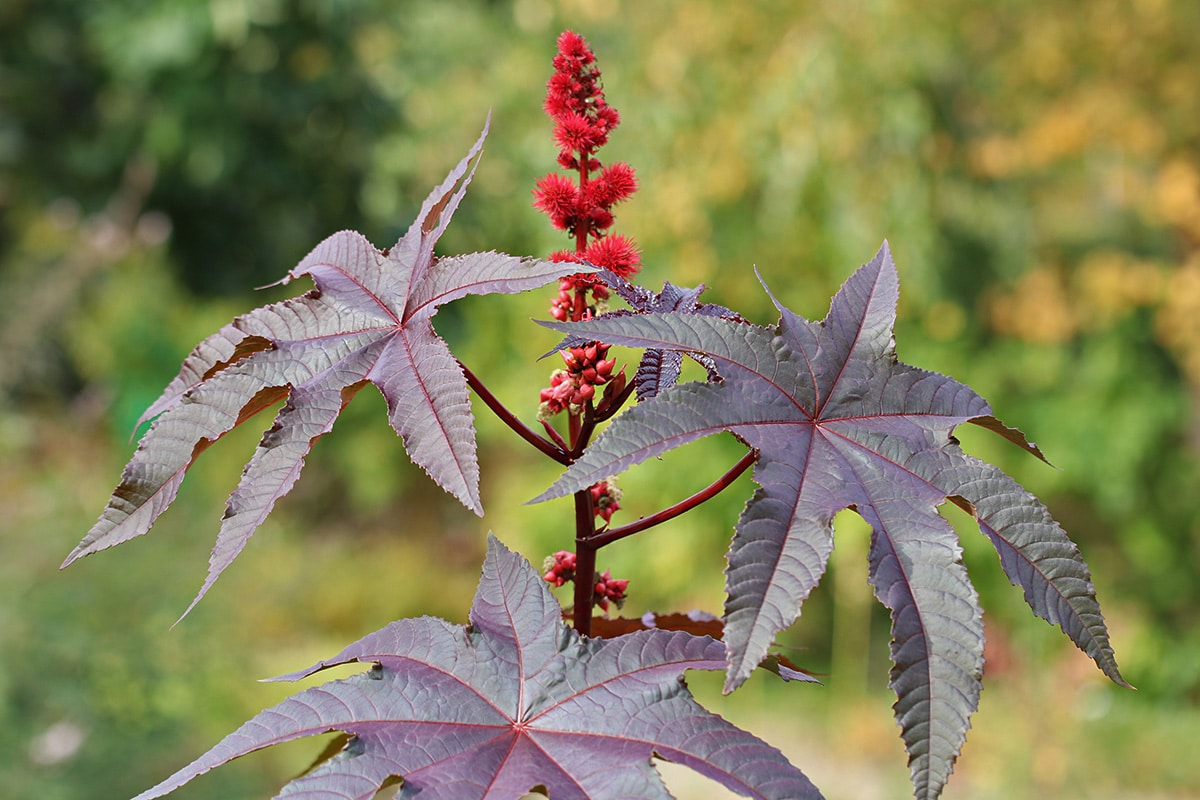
(839, 422)
(368, 321)
(513, 701)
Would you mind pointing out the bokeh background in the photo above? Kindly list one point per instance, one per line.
(1034, 165)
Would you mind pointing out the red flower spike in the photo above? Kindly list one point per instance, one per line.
(572, 44)
(583, 121)
(608, 116)
(599, 220)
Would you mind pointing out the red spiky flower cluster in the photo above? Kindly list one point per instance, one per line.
(581, 204)
(586, 208)
(575, 100)
(583, 207)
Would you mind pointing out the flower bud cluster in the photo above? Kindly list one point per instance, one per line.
(560, 568)
(571, 388)
(609, 589)
(571, 303)
(606, 499)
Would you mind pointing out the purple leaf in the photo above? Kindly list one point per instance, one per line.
(1036, 555)
(839, 422)
(514, 700)
(369, 320)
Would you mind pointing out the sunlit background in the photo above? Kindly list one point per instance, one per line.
(1034, 165)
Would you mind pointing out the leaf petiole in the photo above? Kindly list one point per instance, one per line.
(712, 490)
(554, 450)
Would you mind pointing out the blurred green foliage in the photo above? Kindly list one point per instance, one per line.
(1034, 165)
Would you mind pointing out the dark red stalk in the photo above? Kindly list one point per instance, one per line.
(585, 562)
(543, 444)
(586, 426)
(712, 490)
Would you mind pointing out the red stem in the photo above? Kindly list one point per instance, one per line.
(613, 534)
(586, 424)
(585, 561)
